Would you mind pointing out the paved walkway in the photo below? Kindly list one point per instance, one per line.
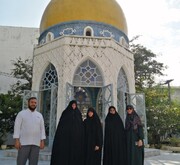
(165, 158)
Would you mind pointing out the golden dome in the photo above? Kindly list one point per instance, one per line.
(105, 11)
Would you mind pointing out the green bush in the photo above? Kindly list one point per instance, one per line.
(158, 146)
(10, 105)
(175, 142)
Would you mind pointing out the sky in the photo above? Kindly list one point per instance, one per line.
(157, 22)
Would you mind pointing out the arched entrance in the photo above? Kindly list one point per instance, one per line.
(48, 105)
(124, 97)
(47, 101)
(87, 89)
(122, 93)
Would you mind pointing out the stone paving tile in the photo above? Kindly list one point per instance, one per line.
(165, 158)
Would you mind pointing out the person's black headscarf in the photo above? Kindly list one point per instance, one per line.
(114, 140)
(68, 141)
(93, 137)
(132, 120)
(134, 133)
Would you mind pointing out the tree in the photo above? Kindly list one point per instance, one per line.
(10, 105)
(156, 104)
(145, 65)
(162, 119)
(23, 72)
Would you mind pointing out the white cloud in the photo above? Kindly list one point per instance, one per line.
(158, 23)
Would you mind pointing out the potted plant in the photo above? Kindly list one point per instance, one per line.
(3, 146)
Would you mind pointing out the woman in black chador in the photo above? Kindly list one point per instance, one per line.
(93, 138)
(134, 135)
(68, 141)
(114, 139)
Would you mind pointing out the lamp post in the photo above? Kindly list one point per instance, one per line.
(169, 89)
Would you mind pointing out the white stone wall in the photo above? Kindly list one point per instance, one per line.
(15, 42)
(67, 53)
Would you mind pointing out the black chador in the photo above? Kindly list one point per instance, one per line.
(134, 135)
(114, 139)
(68, 142)
(93, 138)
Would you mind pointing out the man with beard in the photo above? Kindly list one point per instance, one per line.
(29, 134)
